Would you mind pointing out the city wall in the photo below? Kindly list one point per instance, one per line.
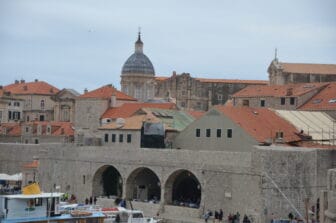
(234, 181)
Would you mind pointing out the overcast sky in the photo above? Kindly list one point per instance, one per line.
(83, 44)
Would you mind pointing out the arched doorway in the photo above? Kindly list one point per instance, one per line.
(107, 181)
(143, 185)
(183, 189)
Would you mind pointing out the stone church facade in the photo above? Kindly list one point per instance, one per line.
(281, 73)
(139, 81)
(137, 75)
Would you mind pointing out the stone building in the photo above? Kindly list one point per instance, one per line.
(146, 128)
(37, 96)
(199, 93)
(11, 107)
(286, 73)
(35, 132)
(286, 97)
(91, 105)
(138, 80)
(137, 75)
(64, 108)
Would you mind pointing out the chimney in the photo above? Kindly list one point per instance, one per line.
(113, 101)
(36, 80)
(289, 92)
(174, 73)
(16, 81)
(1, 87)
(86, 91)
(22, 81)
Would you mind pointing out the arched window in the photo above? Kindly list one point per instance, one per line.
(42, 104)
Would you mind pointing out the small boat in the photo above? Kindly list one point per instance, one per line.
(126, 216)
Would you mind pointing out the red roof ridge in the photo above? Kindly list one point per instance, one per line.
(105, 92)
(35, 87)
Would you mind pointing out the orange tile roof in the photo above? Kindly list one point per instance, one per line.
(36, 87)
(306, 68)
(324, 100)
(161, 78)
(261, 123)
(106, 92)
(278, 90)
(130, 123)
(128, 109)
(196, 114)
(33, 164)
(12, 129)
(232, 81)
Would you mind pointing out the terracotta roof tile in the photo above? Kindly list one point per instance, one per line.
(10, 129)
(324, 100)
(106, 92)
(278, 90)
(161, 78)
(36, 87)
(128, 109)
(261, 123)
(196, 114)
(130, 123)
(34, 164)
(232, 81)
(306, 68)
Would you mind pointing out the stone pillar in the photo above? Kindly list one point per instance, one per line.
(330, 213)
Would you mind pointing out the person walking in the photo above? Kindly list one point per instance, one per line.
(206, 216)
(220, 215)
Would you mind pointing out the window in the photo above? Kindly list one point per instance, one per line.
(41, 118)
(0, 116)
(292, 101)
(198, 132)
(219, 133)
(9, 115)
(229, 133)
(129, 138)
(17, 115)
(183, 104)
(246, 103)
(113, 137)
(262, 103)
(27, 129)
(36, 141)
(42, 104)
(27, 118)
(208, 132)
(283, 101)
(121, 137)
(48, 129)
(279, 135)
(83, 179)
(106, 138)
(219, 97)
(17, 104)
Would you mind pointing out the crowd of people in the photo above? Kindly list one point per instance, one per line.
(218, 217)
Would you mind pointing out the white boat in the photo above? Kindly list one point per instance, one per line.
(126, 216)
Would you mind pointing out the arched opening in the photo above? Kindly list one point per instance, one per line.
(107, 181)
(143, 185)
(183, 189)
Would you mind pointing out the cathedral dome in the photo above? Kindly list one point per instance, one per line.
(138, 62)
